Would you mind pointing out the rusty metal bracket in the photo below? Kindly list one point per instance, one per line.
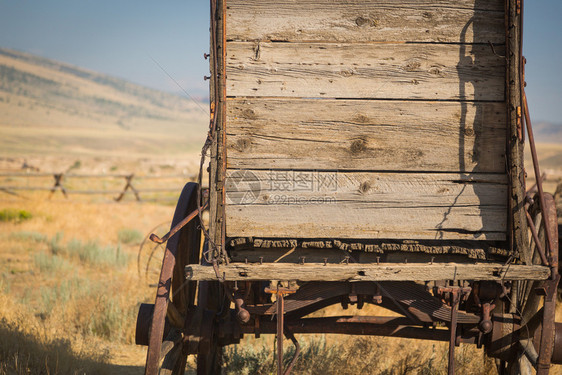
(242, 315)
(174, 230)
(455, 299)
(486, 325)
(456, 294)
(280, 293)
(291, 337)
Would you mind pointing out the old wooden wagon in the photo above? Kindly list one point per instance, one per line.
(362, 152)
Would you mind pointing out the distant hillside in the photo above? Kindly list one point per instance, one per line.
(48, 107)
(548, 138)
(547, 132)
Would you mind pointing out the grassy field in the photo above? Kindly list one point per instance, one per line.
(69, 284)
(69, 291)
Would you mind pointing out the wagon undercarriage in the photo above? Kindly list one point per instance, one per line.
(507, 308)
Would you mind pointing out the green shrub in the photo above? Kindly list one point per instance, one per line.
(5, 283)
(66, 290)
(109, 319)
(55, 245)
(29, 236)
(248, 360)
(129, 236)
(50, 263)
(77, 164)
(14, 215)
(92, 253)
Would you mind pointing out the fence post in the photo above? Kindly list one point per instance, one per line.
(58, 185)
(128, 185)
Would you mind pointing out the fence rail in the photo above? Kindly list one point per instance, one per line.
(59, 179)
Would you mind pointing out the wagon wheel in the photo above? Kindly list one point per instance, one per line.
(169, 356)
(535, 318)
(150, 254)
(209, 354)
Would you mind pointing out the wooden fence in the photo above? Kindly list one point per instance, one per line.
(131, 183)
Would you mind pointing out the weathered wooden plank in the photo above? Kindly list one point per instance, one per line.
(466, 21)
(378, 71)
(319, 204)
(218, 147)
(366, 135)
(369, 272)
(516, 141)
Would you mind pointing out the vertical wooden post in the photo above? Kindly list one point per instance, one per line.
(218, 155)
(515, 143)
(128, 185)
(280, 315)
(58, 185)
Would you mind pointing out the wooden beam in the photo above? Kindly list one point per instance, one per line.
(366, 135)
(218, 155)
(358, 70)
(369, 272)
(461, 21)
(516, 144)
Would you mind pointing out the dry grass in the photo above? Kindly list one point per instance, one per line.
(334, 355)
(69, 289)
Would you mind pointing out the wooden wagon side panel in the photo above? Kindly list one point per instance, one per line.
(366, 70)
(435, 21)
(289, 133)
(366, 205)
(367, 90)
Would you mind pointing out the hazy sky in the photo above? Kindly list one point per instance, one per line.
(119, 37)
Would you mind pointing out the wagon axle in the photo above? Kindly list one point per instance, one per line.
(506, 331)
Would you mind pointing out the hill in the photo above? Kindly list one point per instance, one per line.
(547, 132)
(52, 108)
(548, 138)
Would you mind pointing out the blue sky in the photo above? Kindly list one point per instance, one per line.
(119, 38)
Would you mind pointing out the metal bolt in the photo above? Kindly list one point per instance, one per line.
(206, 78)
(378, 260)
(206, 56)
(261, 260)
